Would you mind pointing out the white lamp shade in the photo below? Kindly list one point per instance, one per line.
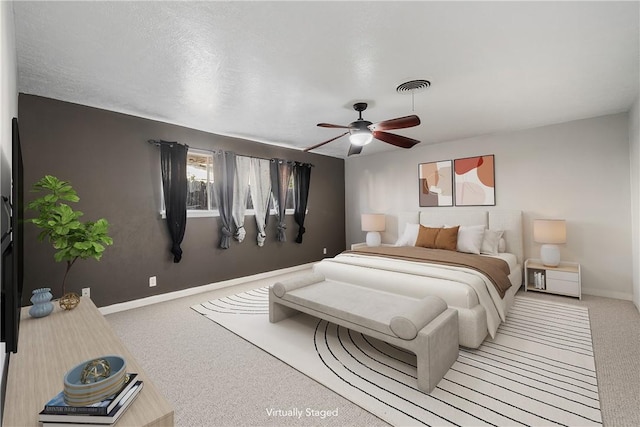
(550, 231)
(372, 222)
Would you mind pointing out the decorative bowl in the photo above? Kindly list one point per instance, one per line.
(93, 380)
(69, 301)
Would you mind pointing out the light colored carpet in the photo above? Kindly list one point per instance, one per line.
(539, 370)
(214, 378)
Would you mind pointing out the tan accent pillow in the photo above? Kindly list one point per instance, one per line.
(427, 237)
(447, 238)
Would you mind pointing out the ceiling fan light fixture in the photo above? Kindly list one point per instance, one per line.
(360, 137)
(361, 132)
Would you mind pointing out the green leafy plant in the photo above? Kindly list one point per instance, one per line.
(60, 224)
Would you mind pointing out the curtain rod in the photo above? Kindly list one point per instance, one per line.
(160, 142)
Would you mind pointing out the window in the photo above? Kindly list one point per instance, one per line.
(200, 195)
(201, 200)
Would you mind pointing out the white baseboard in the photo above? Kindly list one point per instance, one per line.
(114, 308)
(607, 294)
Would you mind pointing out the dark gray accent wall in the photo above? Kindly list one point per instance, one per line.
(106, 157)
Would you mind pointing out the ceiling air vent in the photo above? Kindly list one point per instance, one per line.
(413, 85)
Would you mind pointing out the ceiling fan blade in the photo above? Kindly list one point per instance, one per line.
(325, 142)
(354, 149)
(399, 123)
(329, 125)
(397, 140)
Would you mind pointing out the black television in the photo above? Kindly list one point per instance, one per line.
(11, 248)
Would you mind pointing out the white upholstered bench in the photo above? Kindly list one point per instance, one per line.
(426, 327)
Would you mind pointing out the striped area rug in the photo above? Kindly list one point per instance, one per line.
(539, 370)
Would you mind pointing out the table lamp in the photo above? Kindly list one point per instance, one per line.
(550, 232)
(373, 224)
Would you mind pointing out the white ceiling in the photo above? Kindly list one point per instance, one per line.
(270, 71)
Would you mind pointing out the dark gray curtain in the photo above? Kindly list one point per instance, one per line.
(224, 169)
(280, 176)
(173, 162)
(301, 180)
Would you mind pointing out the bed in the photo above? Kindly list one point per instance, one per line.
(480, 303)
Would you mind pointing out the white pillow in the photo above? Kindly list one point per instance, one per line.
(409, 236)
(502, 246)
(491, 241)
(470, 238)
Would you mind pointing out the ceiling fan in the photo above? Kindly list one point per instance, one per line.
(361, 132)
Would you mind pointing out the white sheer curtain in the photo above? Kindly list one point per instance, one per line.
(240, 194)
(260, 194)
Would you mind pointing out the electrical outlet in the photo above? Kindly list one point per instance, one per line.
(86, 292)
(324, 251)
(152, 281)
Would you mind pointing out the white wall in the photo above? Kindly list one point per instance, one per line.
(8, 106)
(8, 85)
(578, 171)
(634, 155)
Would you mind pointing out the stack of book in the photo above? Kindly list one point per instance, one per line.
(539, 280)
(57, 412)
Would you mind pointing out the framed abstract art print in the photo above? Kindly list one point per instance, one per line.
(436, 184)
(474, 181)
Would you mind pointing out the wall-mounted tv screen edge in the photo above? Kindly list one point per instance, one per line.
(12, 248)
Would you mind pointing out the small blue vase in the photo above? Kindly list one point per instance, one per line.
(41, 300)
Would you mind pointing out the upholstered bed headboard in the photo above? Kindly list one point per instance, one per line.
(510, 221)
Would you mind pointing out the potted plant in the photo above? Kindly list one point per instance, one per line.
(60, 224)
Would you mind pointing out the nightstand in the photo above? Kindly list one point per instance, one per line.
(565, 279)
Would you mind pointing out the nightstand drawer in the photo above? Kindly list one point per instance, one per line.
(562, 275)
(565, 287)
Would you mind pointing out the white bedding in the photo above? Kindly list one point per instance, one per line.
(442, 276)
(480, 308)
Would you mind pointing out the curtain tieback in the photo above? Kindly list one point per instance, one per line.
(261, 239)
(177, 253)
(240, 233)
(301, 231)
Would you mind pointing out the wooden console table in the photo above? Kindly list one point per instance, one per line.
(48, 347)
